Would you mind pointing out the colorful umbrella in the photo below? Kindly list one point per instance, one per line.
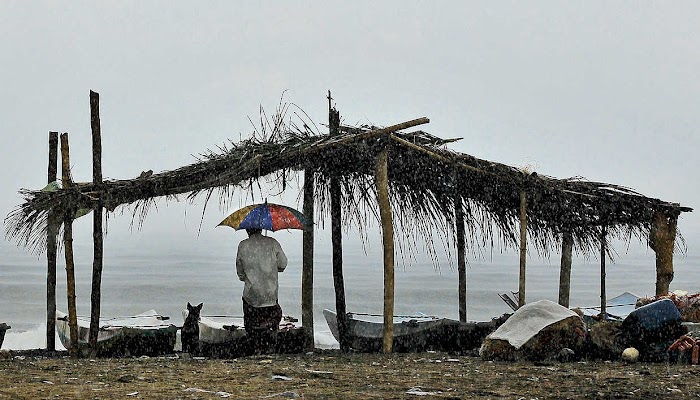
(268, 216)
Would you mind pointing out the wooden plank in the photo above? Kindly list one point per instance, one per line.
(68, 248)
(307, 274)
(97, 239)
(382, 181)
(523, 248)
(51, 246)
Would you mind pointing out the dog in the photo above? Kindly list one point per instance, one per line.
(190, 329)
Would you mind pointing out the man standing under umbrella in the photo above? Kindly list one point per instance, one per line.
(258, 261)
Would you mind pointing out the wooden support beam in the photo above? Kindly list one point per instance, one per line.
(662, 239)
(603, 300)
(307, 274)
(68, 248)
(567, 243)
(338, 280)
(382, 181)
(461, 258)
(51, 233)
(97, 238)
(523, 248)
(337, 240)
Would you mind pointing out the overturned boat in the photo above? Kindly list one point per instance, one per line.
(414, 333)
(146, 334)
(617, 308)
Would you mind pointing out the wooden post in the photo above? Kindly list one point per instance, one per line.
(68, 247)
(603, 300)
(338, 281)
(337, 240)
(567, 243)
(662, 240)
(51, 232)
(523, 248)
(382, 181)
(307, 274)
(97, 239)
(461, 258)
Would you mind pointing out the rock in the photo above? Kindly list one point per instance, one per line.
(607, 341)
(566, 355)
(630, 355)
(537, 331)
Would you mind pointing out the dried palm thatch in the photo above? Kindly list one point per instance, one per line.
(427, 181)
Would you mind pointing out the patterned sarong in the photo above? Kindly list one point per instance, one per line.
(261, 318)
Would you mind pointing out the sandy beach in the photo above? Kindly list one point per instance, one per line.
(330, 374)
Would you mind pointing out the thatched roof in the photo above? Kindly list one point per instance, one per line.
(426, 180)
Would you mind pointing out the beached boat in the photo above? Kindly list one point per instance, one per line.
(413, 333)
(616, 309)
(3, 327)
(224, 336)
(147, 334)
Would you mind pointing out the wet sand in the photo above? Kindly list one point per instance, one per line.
(330, 374)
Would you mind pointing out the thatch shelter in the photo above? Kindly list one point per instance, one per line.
(417, 181)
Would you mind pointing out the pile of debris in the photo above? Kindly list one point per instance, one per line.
(664, 328)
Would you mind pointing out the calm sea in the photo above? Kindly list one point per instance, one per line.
(164, 272)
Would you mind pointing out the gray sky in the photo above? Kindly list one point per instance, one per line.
(605, 90)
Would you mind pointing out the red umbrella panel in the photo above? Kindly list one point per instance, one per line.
(268, 216)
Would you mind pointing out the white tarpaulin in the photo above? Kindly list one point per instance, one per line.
(529, 320)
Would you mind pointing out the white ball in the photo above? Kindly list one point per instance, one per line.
(630, 354)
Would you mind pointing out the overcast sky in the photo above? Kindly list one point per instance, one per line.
(605, 90)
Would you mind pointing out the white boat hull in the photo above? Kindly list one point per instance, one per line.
(143, 334)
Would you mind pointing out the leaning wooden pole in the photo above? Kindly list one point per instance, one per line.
(51, 232)
(567, 243)
(461, 258)
(662, 239)
(307, 274)
(382, 181)
(68, 248)
(97, 238)
(603, 300)
(337, 240)
(523, 248)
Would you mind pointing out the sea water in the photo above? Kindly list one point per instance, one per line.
(166, 271)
